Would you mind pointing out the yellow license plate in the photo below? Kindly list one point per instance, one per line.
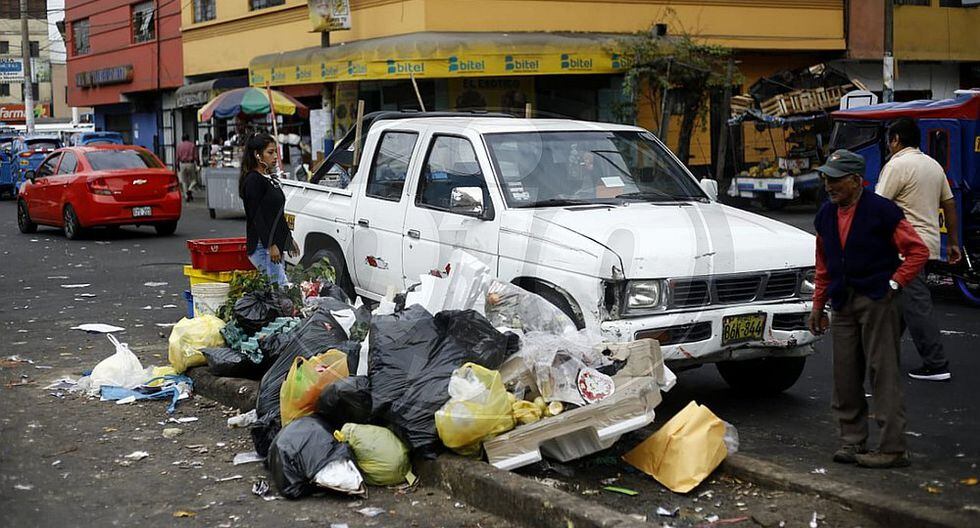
(742, 328)
(291, 221)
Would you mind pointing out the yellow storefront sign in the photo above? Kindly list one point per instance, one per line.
(440, 55)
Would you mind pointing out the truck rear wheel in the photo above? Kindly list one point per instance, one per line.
(762, 376)
(336, 260)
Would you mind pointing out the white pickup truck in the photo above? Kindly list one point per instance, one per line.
(600, 219)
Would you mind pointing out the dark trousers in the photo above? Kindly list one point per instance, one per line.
(918, 317)
(866, 335)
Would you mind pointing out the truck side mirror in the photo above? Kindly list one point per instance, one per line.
(710, 187)
(467, 201)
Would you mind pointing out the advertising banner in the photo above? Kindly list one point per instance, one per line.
(329, 15)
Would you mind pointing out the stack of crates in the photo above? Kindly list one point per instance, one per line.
(216, 259)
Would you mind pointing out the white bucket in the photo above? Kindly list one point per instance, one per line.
(209, 297)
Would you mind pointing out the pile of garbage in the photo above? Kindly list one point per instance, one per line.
(464, 362)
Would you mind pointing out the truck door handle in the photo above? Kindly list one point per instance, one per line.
(363, 222)
(414, 233)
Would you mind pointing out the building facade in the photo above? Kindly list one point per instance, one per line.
(125, 61)
(11, 62)
(492, 54)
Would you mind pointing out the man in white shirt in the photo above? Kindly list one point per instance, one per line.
(918, 185)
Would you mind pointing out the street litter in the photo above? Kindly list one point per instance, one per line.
(262, 489)
(184, 513)
(86, 295)
(684, 451)
(24, 487)
(913, 433)
(137, 455)
(621, 490)
(971, 481)
(813, 520)
(98, 328)
(243, 420)
(172, 432)
(371, 511)
(184, 419)
(226, 479)
(155, 284)
(74, 286)
(664, 512)
(819, 471)
(247, 458)
(711, 518)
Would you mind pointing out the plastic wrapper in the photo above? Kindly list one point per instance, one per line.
(478, 409)
(379, 454)
(317, 334)
(341, 475)
(299, 452)
(230, 363)
(526, 412)
(189, 336)
(346, 401)
(514, 307)
(121, 369)
(306, 380)
(549, 365)
(257, 309)
(413, 356)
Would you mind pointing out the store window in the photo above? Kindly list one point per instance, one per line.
(143, 25)
(939, 147)
(262, 4)
(35, 48)
(4, 89)
(79, 31)
(390, 168)
(205, 10)
(4, 47)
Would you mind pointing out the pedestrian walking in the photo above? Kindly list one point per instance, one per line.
(267, 234)
(187, 160)
(860, 237)
(917, 184)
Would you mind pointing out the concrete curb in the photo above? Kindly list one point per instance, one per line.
(887, 510)
(513, 497)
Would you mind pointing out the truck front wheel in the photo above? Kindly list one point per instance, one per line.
(762, 376)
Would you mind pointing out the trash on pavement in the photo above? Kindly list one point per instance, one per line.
(75, 286)
(684, 451)
(261, 489)
(584, 430)
(172, 432)
(23, 487)
(306, 380)
(122, 369)
(346, 400)
(299, 452)
(189, 336)
(478, 409)
(622, 491)
(184, 513)
(174, 388)
(664, 512)
(243, 420)
(229, 363)
(137, 455)
(341, 475)
(378, 453)
(98, 328)
(969, 481)
(372, 511)
(248, 457)
(514, 307)
(259, 308)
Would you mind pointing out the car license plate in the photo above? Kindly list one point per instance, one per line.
(742, 328)
(143, 211)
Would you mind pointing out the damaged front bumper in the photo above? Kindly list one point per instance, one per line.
(695, 337)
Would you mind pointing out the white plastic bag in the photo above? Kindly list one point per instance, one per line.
(341, 475)
(122, 369)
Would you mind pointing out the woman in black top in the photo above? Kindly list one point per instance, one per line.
(267, 234)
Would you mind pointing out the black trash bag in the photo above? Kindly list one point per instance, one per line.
(300, 451)
(264, 432)
(319, 333)
(362, 315)
(259, 308)
(346, 401)
(231, 363)
(334, 291)
(412, 358)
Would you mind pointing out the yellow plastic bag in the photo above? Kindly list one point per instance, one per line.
(189, 336)
(684, 451)
(306, 380)
(378, 453)
(478, 409)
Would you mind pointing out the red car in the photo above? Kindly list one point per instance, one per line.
(107, 185)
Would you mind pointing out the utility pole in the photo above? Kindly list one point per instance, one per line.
(25, 48)
(888, 65)
(726, 111)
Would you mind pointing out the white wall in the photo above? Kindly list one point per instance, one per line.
(943, 78)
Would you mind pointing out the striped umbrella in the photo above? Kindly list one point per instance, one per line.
(250, 101)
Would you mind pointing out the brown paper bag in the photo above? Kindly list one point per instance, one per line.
(684, 451)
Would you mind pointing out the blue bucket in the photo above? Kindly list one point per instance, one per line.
(190, 303)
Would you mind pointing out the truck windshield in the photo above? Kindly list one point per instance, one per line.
(121, 159)
(853, 135)
(543, 169)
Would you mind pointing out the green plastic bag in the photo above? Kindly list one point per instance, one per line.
(189, 336)
(378, 453)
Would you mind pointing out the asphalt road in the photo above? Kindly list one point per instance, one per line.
(795, 428)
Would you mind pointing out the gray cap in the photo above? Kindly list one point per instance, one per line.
(842, 163)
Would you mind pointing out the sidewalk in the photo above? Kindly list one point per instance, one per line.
(535, 499)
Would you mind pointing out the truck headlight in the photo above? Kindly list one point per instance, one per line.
(808, 283)
(646, 295)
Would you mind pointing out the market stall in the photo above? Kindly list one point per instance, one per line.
(251, 111)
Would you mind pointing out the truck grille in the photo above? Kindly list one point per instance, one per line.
(675, 335)
(731, 289)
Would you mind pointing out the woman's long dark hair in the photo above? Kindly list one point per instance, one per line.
(253, 148)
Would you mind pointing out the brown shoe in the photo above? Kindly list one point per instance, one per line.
(878, 460)
(847, 453)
